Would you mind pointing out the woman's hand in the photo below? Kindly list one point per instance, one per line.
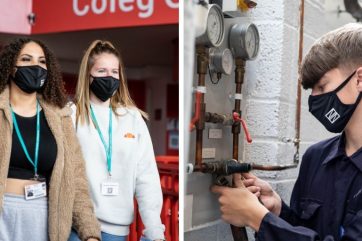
(262, 189)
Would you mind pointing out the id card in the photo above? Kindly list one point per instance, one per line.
(110, 188)
(34, 191)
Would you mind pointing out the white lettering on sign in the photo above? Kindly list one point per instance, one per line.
(145, 7)
(124, 7)
(77, 11)
(112, 7)
(172, 3)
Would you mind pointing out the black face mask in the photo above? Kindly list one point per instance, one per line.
(30, 78)
(330, 111)
(104, 87)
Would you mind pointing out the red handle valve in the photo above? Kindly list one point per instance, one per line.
(237, 118)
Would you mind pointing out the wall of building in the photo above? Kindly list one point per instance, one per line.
(269, 106)
(157, 78)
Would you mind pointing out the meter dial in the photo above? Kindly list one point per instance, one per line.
(244, 41)
(221, 61)
(212, 33)
(227, 61)
(215, 25)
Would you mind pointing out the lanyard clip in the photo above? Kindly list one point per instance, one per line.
(36, 177)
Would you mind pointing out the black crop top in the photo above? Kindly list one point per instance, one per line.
(20, 167)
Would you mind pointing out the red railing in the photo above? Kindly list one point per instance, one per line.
(168, 169)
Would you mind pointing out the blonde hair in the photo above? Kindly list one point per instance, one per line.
(121, 98)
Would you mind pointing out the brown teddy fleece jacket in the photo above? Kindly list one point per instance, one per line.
(69, 203)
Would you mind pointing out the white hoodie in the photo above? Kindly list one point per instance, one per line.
(133, 166)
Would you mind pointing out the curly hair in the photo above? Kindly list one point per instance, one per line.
(53, 91)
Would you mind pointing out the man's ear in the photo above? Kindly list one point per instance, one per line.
(359, 78)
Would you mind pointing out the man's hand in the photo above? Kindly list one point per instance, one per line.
(239, 206)
(262, 189)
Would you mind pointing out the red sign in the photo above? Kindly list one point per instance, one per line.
(71, 15)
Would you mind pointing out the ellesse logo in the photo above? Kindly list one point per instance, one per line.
(332, 115)
(129, 135)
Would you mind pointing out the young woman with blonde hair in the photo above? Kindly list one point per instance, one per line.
(117, 147)
(43, 186)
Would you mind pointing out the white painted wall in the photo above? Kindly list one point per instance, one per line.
(269, 105)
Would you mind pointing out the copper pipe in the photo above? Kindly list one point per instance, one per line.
(272, 168)
(202, 64)
(236, 128)
(239, 234)
(199, 140)
(197, 110)
(239, 79)
(299, 90)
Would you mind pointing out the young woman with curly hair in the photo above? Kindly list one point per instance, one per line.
(43, 188)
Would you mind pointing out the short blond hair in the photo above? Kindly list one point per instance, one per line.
(340, 48)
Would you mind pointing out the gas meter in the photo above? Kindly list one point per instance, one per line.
(221, 61)
(210, 25)
(244, 41)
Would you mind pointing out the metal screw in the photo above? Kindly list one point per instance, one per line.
(286, 139)
(31, 18)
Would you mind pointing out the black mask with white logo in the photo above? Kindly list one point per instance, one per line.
(30, 78)
(330, 111)
(104, 87)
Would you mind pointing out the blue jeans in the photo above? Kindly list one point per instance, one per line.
(145, 239)
(105, 237)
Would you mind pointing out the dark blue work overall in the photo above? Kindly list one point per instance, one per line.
(326, 202)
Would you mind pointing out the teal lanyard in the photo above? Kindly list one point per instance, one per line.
(36, 153)
(107, 148)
